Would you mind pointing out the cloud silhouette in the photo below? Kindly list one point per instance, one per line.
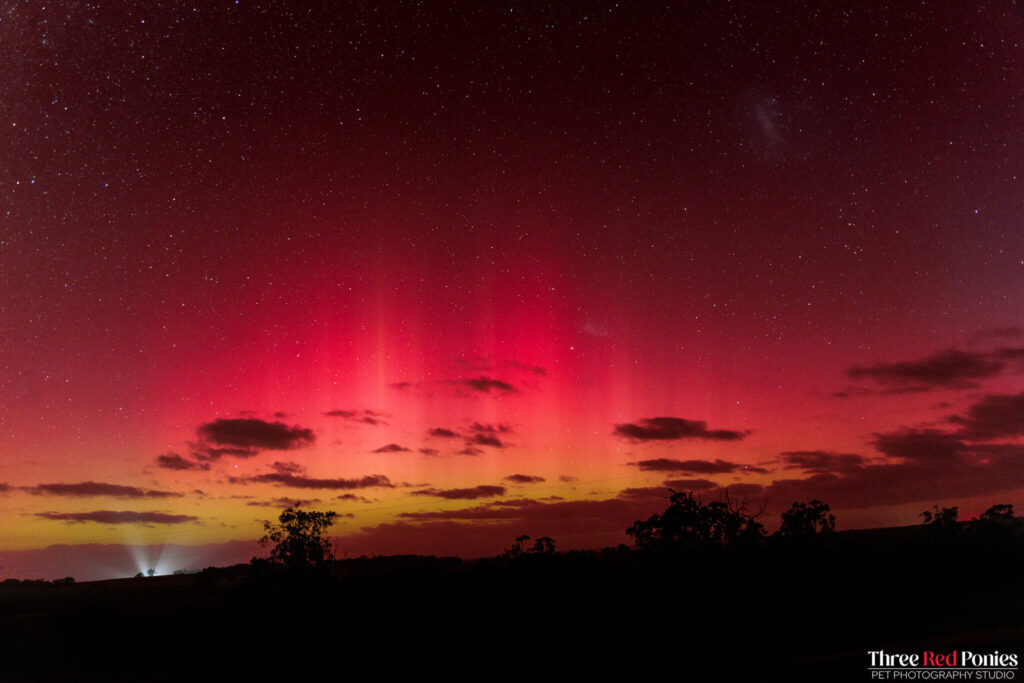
(207, 453)
(430, 451)
(524, 479)
(118, 517)
(470, 450)
(673, 428)
(443, 433)
(392, 448)
(463, 494)
(696, 466)
(499, 428)
(946, 369)
(820, 462)
(365, 416)
(645, 492)
(486, 440)
(992, 417)
(486, 384)
(252, 433)
(283, 502)
(303, 482)
(690, 484)
(173, 461)
(93, 488)
(288, 467)
(927, 445)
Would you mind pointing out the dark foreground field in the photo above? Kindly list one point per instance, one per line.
(773, 611)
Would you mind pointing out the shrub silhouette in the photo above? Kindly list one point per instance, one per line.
(300, 537)
(805, 521)
(689, 522)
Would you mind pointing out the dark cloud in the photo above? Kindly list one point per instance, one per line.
(118, 517)
(4, 487)
(173, 461)
(288, 467)
(925, 445)
(302, 482)
(645, 492)
(485, 384)
(690, 484)
(470, 450)
(392, 448)
(524, 479)
(590, 509)
(567, 479)
(490, 429)
(207, 453)
(971, 474)
(93, 488)
(430, 451)
(444, 433)
(353, 497)
(696, 466)
(920, 465)
(993, 417)
(463, 494)
(946, 369)
(672, 428)
(819, 462)
(486, 440)
(365, 416)
(251, 433)
(401, 386)
(486, 529)
(283, 502)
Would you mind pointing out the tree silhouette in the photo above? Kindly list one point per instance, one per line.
(997, 524)
(999, 514)
(689, 522)
(941, 520)
(806, 521)
(300, 537)
(542, 546)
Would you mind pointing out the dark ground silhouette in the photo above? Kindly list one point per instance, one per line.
(804, 606)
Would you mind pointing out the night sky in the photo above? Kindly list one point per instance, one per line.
(464, 271)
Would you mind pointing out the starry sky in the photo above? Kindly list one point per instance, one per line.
(461, 271)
